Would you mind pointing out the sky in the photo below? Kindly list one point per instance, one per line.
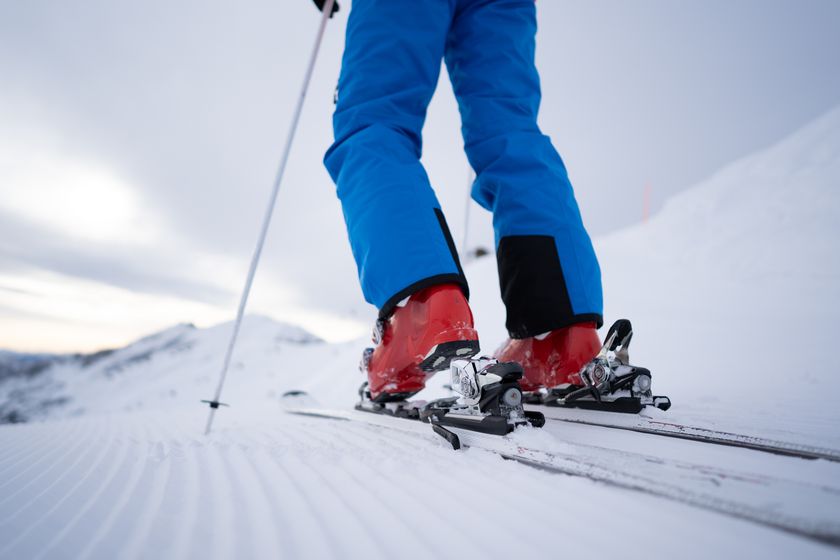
(139, 141)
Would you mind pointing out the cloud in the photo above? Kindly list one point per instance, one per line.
(45, 309)
(146, 271)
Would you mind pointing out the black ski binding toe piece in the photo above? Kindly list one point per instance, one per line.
(490, 401)
(610, 383)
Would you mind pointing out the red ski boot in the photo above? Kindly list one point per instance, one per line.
(553, 359)
(421, 337)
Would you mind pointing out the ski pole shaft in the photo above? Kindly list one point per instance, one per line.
(255, 259)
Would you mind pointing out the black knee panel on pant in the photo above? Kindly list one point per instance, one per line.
(534, 287)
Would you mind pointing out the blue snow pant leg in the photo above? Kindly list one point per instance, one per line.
(389, 72)
(548, 271)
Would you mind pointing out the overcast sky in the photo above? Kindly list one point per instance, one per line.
(138, 142)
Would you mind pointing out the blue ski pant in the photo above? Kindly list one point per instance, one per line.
(548, 271)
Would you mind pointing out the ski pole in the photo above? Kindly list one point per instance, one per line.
(327, 9)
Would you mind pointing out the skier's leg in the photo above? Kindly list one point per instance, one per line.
(389, 72)
(549, 275)
(397, 232)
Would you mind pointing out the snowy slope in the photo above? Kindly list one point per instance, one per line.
(731, 292)
(267, 485)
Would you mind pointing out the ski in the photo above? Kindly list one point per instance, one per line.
(738, 494)
(646, 425)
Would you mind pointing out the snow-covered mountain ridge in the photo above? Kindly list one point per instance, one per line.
(39, 386)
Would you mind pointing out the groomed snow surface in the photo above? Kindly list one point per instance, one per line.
(732, 292)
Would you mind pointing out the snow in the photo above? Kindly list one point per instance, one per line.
(731, 289)
(144, 485)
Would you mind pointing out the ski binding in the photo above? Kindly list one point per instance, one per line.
(490, 401)
(609, 381)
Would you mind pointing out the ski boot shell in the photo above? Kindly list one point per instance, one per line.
(421, 337)
(553, 359)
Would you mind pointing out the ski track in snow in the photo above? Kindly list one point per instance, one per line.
(51, 506)
(424, 509)
(186, 490)
(97, 490)
(16, 501)
(151, 505)
(116, 507)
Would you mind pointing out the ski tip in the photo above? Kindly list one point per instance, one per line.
(297, 398)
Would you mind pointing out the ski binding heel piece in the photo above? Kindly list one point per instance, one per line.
(490, 401)
(397, 407)
(609, 381)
